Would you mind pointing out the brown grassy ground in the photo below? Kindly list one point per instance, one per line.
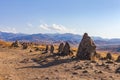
(18, 64)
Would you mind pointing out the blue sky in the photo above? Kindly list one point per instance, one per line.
(96, 17)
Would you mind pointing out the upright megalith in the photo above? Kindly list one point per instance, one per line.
(51, 49)
(47, 48)
(108, 56)
(15, 44)
(60, 48)
(87, 48)
(24, 45)
(118, 59)
(66, 49)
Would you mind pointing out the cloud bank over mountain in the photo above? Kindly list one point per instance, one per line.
(56, 28)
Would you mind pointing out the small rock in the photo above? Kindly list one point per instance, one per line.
(109, 62)
(66, 49)
(77, 67)
(109, 56)
(117, 70)
(118, 59)
(93, 61)
(67, 69)
(110, 76)
(31, 51)
(74, 73)
(97, 71)
(56, 70)
(100, 72)
(85, 71)
(47, 78)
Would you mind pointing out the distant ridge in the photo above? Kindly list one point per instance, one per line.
(54, 38)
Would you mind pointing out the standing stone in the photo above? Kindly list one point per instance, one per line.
(24, 45)
(46, 49)
(51, 49)
(108, 56)
(118, 59)
(87, 48)
(15, 44)
(60, 49)
(66, 49)
(117, 70)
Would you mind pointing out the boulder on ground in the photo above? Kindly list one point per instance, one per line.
(87, 48)
(47, 48)
(66, 49)
(51, 49)
(24, 45)
(118, 59)
(117, 70)
(15, 44)
(60, 49)
(109, 56)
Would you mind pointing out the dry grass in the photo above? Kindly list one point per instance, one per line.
(74, 50)
(104, 53)
(5, 44)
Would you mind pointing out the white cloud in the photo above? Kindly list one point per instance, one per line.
(56, 28)
(44, 26)
(8, 29)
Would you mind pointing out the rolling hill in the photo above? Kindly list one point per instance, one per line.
(54, 38)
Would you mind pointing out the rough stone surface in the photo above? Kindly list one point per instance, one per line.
(24, 45)
(109, 56)
(117, 70)
(61, 46)
(47, 47)
(66, 49)
(15, 44)
(51, 49)
(87, 48)
(118, 59)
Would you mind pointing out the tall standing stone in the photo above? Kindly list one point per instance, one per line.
(24, 45)
(118, 59)
(109, 56)
(15, 44)
(87, 48)
(51, 49)
(66, 49)
(60, 48)
(47, 48)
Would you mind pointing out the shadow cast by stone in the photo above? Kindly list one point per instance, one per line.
(44, 63)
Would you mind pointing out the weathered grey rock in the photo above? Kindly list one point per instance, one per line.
(46, 49)
(66, 49)
(15, 44)
(85, 71)
(87, 48)
(60, 49)
(24, 45)
(51, 49)
(117, 70)
(109, 56)
(118, 59)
